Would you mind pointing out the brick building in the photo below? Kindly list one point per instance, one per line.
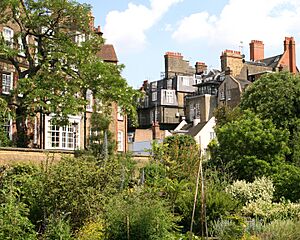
(42, 133)
(241, 73)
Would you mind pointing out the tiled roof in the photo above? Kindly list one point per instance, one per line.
(107, 53)
(267, 62)
(272, 61)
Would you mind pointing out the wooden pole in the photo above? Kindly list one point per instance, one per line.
(195, 200)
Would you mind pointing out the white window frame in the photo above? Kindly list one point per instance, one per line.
(6, 86)
(21, 46)
(8, 35)
(222, 95)
(169, 96)
(63, 133)
(89, 98)
(120, 116)
(7, 126)
(79, 38)
(228, 94)
(212, 135)
(120, 141)
(185, 81)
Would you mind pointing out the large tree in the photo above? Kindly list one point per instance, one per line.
(276, 97)
(249, 147)
(58, 63)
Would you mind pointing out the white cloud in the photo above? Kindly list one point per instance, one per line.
(242, 20)
(127, 29)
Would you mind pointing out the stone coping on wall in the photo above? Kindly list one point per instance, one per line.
(36, 150)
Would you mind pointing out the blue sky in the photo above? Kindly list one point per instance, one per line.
(143, 30)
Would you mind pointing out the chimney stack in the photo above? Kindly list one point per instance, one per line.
(290, 49)
(156, 135)
(200, 67)
(256, 50)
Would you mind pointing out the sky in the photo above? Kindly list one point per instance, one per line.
(142, 31)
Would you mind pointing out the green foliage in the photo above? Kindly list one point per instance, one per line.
(249, 147)
(231, 228)
(14, 222)
(219, 203)
(57, 228)
(276, 97)
(287, 182)
(138, 216)
(4, 113)
(281, 229)
(101, 143)
(225, 114)
(92, 230)
(179, 154)
(59, 70)
(259, 189)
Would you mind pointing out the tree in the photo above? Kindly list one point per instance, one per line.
(276, 97)
(59, 68)
(250, 147)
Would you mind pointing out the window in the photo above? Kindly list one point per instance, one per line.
(79, 38)
(131, 137)
(7, 82)
(62, 137)
(21, 46)
(185, 81)
(154, 96)
(8, 35)
(222, 95)
(154, 86)
(6, 124)
(120, 116)
(89, 98)
(120, 141)
(192, 112)
(146, 101)
(197, 110)
(212, 135)
(228, 95)
(169, 96)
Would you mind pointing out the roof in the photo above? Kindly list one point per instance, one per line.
(243, 82)
(272, 61)
(193, 131)
(267, 62)
(107, 53)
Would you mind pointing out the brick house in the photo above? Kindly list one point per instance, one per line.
(164, 99)
(43, 134)
(241, 73)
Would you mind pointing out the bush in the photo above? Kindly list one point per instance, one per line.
(281, 229)
(137, 216)
(231, 228)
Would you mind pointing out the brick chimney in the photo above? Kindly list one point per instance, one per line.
(233, 60)
(256, 50)
(200, 67)
(156, 134)
(290, 50)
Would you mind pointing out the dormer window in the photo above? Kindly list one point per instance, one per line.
(8, 35)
